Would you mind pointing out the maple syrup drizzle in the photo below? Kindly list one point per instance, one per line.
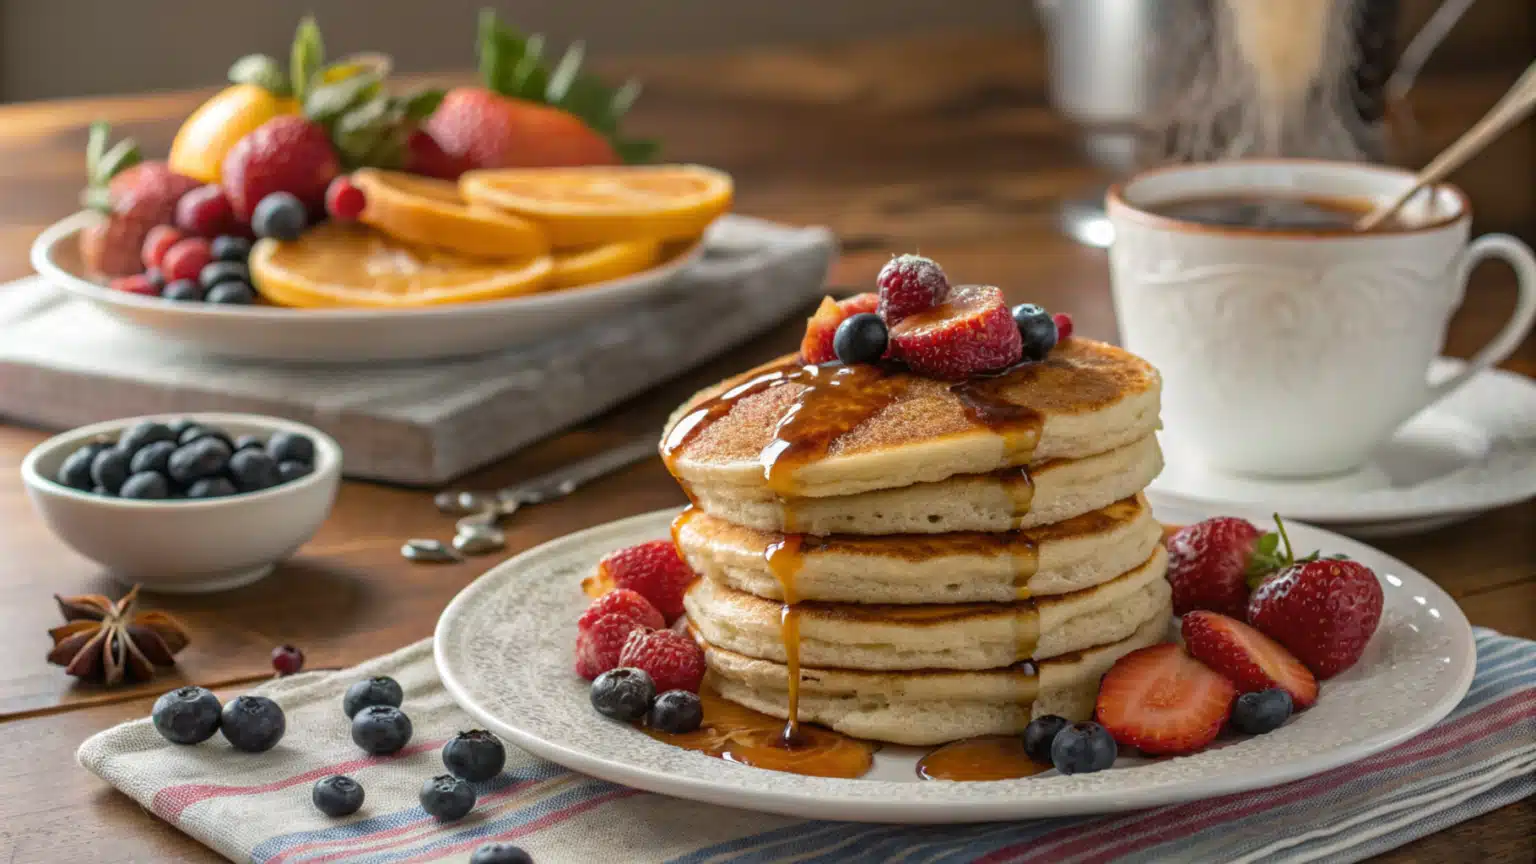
(784, 558)
(739, 734)
(1020, 487)
(991, 757)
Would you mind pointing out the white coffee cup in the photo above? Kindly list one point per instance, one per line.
(1295, 353)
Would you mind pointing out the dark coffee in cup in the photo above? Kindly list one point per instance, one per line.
(1277, 212)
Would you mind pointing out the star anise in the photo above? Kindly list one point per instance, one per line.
(108, 642)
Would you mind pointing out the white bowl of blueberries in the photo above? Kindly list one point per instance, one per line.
(204, 502)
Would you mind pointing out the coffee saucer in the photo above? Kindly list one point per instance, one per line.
(1473, 452)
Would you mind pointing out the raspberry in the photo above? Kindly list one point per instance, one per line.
(910, 284)
(599, 645)
(186, 259)
(816, 347)
(343, 200)
(138, 283)
(624, 603)
(970, 333)
(157, 241)
(673, 660)
(1063, 326)
(205, 212)
(655, 571)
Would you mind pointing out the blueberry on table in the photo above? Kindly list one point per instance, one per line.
(153, 457)
(253, 470)
(146, 486)
(1037, 328)
(203, 457)
(381, 690)
(623, 694)
(76, 470)
(381, 729)
(1261, 712)
(676, 711)
(447, 798)
(215, 272)
(188, 715)
(232, 294)
(1039, 734)
(475, 756)
(143, 434)
(862, 338)
(292, 470)
(184, 290)
(291, 446)
(1083, 748)
(253, 723)
(280, 216)
(110, 468)
(337, 796)
(227, 247)
(211, 487)
(500, 853)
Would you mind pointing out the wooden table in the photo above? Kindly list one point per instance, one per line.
(942, 144)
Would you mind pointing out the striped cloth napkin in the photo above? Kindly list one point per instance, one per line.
(256, 807)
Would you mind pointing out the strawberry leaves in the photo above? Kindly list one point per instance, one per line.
(102, 163)
(1269, 558)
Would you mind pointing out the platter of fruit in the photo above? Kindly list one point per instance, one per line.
(311, 213)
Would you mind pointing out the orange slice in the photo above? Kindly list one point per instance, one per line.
(595, 205)
(602, 263)
(337, 265)
(430, 212)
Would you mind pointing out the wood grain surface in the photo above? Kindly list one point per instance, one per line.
(941, 144)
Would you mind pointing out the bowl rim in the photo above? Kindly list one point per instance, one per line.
(50, 238)
(327, 467)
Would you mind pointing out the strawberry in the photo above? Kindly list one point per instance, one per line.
(1247, 657)
(599, 645)
(423, 155)
(186, 258)
(285, 154)
(483, 129)
(148, 192)
(1210, 564)
(626, 604)
(910, 284)
(969, 333)
(654, 570)
(816, 347)
(134, 195)
(1324, 610)
(674, 661)
(1162, 701)
(114, 246)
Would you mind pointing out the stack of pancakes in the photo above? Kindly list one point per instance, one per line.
(924, 560)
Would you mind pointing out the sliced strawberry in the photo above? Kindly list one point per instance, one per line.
(624, 603)
(1247, 657)
(970, 333)
(816, 347)
(1162, 701)
(910, 284)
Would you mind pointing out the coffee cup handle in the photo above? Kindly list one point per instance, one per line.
(1518, 256)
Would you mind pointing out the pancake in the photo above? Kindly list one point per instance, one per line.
(940, 636)
(832, 430)
(966, 567)
(929, 707)
(1001, 501)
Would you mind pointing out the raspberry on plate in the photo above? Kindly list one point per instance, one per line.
(1324, 610)
(1210, 564)
(186, 259)
(1162, 701)
(910, 284)
(598, 645)
(970, 333)
(822, 326)
(624, 603)
(1246, 657)
(673, 660)
(654, 570)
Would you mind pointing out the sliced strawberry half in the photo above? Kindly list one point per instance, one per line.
(816, 347)
(1162, 701)
(1247, 657)
(970, 333)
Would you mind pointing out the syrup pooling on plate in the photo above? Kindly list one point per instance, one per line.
(741, 735)
(991, 757)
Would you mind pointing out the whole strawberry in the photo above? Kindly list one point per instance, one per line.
(285, 154)
(424, 156)
(134, 195)
(971, 332)
(1211, 565)
(1324, 610)
(910, 284)
(148, 192)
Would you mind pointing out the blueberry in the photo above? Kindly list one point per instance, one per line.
(253, 723)
(1039, 734)
(181, 425)
(140, 435)
(155, 277)
(247, 442)
(381, 729)
(290, 446)
(215, 272)
(447, 798)
(110, 468)
(279, 215)
(337, 796)
(1083, 748)
(146, 486)
(372, 691)
(253, 470)
(76, 470)
(211, 487)
(227, 247)
(153, 457)
(232, 294)
(500, 853)
(676, 711)
(861, 338)
(185, 290)
(623, 694)
(198, 430)
(189, 715)
(289, 471)
(475, 756)
(1037, 328)
(1261, 712)
(203, 457)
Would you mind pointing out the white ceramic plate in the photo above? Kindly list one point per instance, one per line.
(504, 650)
(1470, 453)
(350, 335)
